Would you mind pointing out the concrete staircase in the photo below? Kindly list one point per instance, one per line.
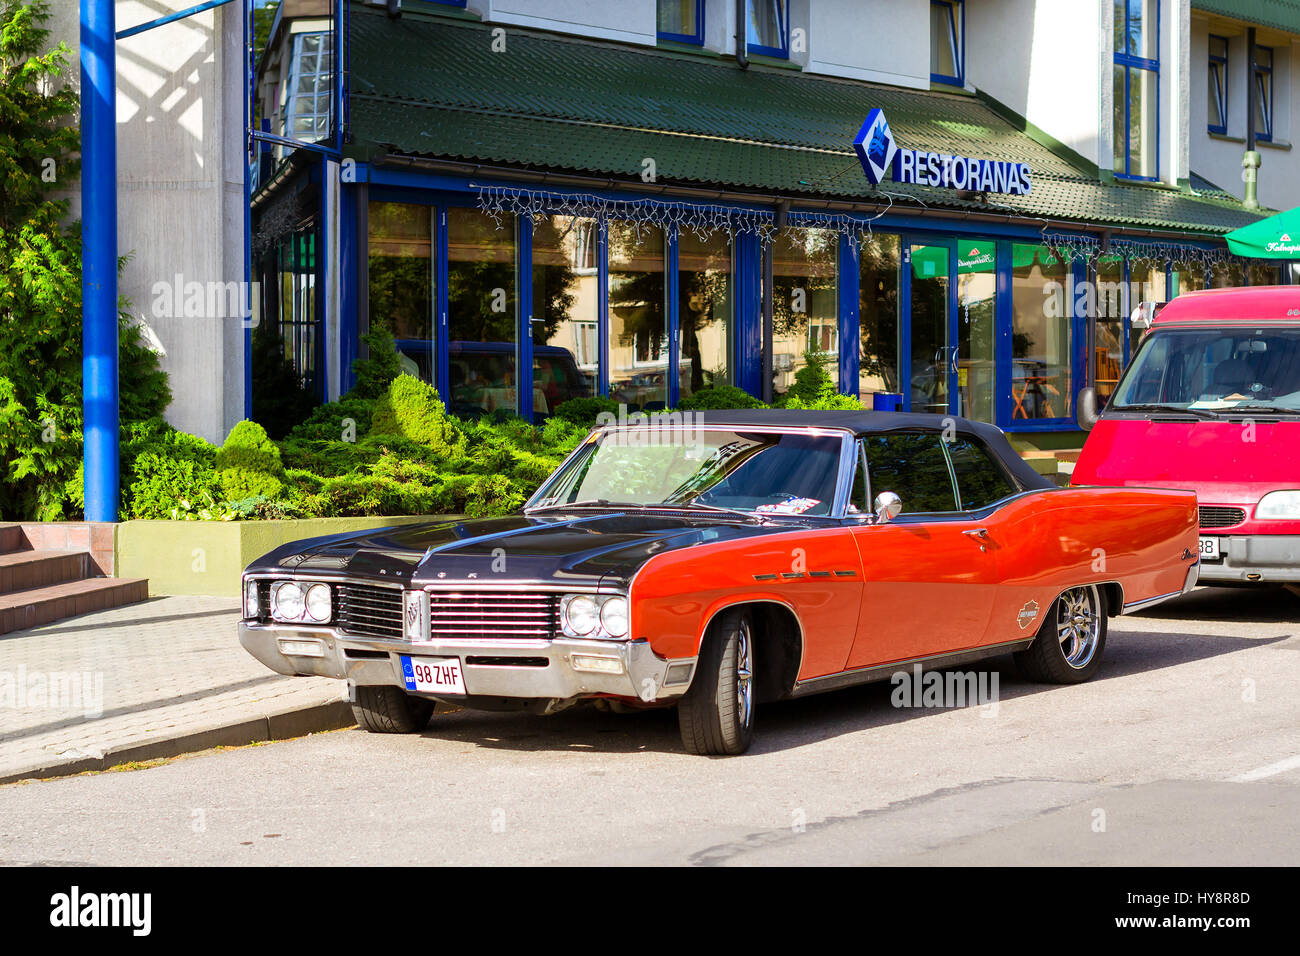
(40, 584)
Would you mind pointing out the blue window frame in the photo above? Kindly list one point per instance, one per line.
(682, 21)
(948, 42)
(1137, 89)
(1218, 85)
(768, 33)
(1264, 94)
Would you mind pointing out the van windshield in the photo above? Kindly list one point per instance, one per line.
(1213, 370)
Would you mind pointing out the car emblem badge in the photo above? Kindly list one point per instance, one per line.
(1187, 554)
(1027, 614)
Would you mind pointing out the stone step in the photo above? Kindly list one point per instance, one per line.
(24, 609)
(11, 538)
(24, 570)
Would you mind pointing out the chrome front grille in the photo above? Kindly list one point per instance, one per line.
(488, 615)
(365, 609)
(1218, 516)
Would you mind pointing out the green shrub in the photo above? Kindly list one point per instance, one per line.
(413, 410)
(248, 464)
(348, 419)
(583, 411)
(168, 486)
(719, 396)
(376, 372)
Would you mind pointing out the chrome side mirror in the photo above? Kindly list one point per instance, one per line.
(888, 506)
(1087, 408)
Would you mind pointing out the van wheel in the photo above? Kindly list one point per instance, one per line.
(1070, 642)
(716, 716)
(390, 710)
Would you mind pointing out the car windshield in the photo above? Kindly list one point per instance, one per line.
(1214, 370)
(768, 473)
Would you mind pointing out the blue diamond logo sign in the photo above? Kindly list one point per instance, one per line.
(875, 146)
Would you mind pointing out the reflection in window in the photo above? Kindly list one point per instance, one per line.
(704, 310)
(804, 319)
(1187, 277)
(1040, 334)
(401, 281)
(1112, 309)
(565, 304)
(976, 289)
(947, 34)
(1147, 283)
(913, 467)
(1218, 85)
(1264, 94)
(981, 480)
(638, 322)
(769, 27)
(307, 110)
(681, 20)
(1136, 76)
(1225, 275)
(878, 315)
(481, 316)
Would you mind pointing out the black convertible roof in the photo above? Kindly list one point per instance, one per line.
(875, 423)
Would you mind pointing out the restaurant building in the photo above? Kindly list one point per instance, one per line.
(953, 205)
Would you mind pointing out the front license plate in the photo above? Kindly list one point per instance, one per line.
(433, 675)
(1210, 549)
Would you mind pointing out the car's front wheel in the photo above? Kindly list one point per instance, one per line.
(1070, 642)
(716, 716)
(390, 710)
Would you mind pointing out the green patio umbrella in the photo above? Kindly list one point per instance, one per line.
(1277, 237)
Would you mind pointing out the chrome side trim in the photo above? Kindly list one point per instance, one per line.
(1150, 602)
(875, 672)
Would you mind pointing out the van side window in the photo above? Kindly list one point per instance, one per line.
(912, 466)
(981, 480)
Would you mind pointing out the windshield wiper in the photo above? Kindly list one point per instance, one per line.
(706, 507)
(1258, 407)
(586, 503)
(1159, 407)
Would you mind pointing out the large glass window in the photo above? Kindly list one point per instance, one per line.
(1218, 85)
(977, 285)
(1229, 274)
(947, 41)
(307, 110)
(769, 27)
(681, 20)
(566, 302)
(1136, 78)
(1040, 334)
(1187, 277)
(401, 280)
(1112, 308)
(638, 320)
(913, 467)
(1264, 93)
(481, 312)
(704, 311)
(878, 316)
(805, 323)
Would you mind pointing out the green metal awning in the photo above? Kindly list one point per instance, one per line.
(1277, 237)
(427, 85)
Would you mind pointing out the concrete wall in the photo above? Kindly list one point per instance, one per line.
(628, 21)
(883, 41)
(1041, 59)
(180, 192)
(1218, 158)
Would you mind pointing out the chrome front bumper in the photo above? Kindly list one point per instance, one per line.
(522, 669)
(1254, 559)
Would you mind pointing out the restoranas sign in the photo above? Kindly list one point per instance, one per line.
(878, 153)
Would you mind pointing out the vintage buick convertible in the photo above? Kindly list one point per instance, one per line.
(721, 562)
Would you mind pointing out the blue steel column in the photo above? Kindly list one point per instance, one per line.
(99, 258)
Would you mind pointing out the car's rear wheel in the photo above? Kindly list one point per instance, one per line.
(716, 716)
(1070, 642)
(390, 710)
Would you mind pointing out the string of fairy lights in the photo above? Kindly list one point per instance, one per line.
(703, 220)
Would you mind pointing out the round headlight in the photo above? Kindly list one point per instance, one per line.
(582, 614)
(251, 605)
(287, 601)
(613, 615)
(318, 602)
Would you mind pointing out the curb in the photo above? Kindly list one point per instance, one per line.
(282, 725)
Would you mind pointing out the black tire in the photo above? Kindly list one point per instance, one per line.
(1055, 657)
(390, 710)
(716, 716)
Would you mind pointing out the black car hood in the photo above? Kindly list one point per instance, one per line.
(570, 548)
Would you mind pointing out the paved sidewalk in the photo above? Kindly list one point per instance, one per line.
(151, 680)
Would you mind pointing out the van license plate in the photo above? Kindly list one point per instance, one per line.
(1210, 549)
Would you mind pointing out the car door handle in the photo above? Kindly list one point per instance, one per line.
(980, 535)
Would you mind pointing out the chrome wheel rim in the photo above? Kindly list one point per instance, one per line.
(1078, 625)
(744, 675)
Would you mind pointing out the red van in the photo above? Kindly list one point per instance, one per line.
(1211, 402)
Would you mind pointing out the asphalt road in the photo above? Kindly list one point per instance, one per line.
(1184, 750)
